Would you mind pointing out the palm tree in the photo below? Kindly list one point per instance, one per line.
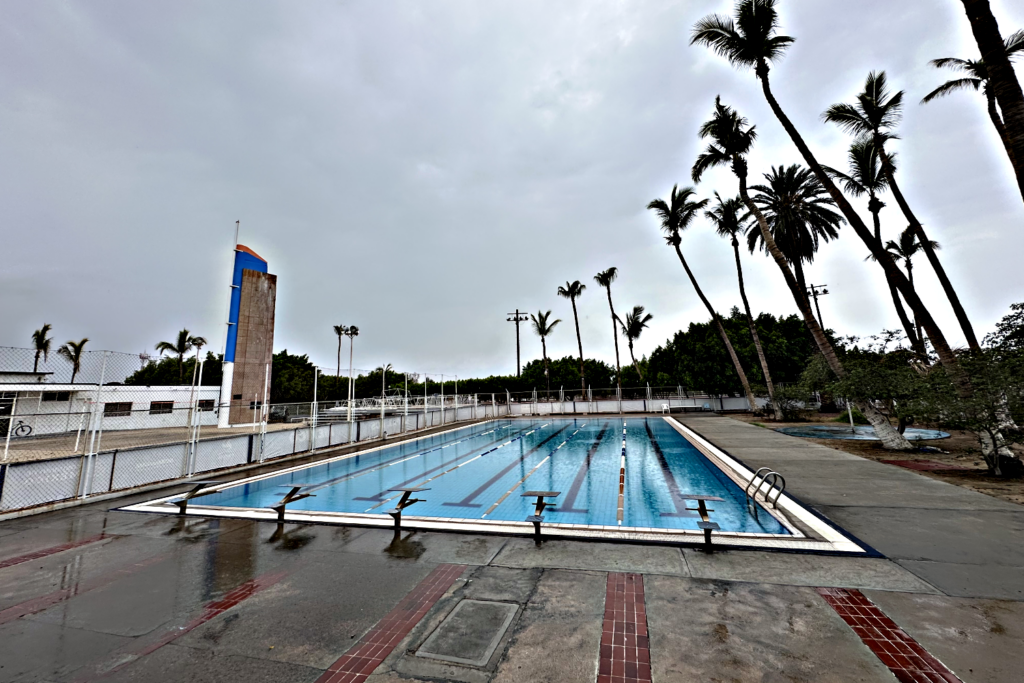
(605, 278)
(799, 214)
(729, 217)
(635, 323)
(340, 331)
(751, 41)
(866, 178)
(977, 78)
(1005, 87)
(572, 291)
(543, 328)
(351, 332)
(904, 251)
(731, 139)
(676, 215)
(41, 343)
(73, 352)
(180, 347)
(873, 117)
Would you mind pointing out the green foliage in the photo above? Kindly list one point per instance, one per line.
(1009, 334)
(696, 359)
(858, 418)
(164, 372)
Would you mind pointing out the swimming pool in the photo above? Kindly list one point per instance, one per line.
(632, 476)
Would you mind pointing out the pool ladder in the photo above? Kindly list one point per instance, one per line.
(764, 476)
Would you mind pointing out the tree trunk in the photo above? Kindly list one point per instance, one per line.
(635, 365)
(891, 439)
(547, 375)
(913, 337)
(942, 348)
(338, 371)
(615, 336)
(721, 333)
(579, 342)
(35, 365)
(1002, 80)
(753, 332)
(933, 258)
(997, 121)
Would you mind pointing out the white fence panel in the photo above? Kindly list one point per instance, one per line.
(275, 444)
(218, 453)
(103, 465)
(301, 440)
(146, 465)
(35, 483)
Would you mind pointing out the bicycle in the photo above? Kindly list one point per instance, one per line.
(21, 429)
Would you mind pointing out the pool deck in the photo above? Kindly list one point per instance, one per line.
(89, 593)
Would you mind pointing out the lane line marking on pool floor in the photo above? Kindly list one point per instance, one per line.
(622, 478)
(381, 501)
(356, 665)
(389, 463)
(530, 473)
(457, 467)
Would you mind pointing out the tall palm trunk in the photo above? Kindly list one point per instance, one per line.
(913, 337)
(721, 331)
(890, 437)
(910, 277)
(547, 375)
(338, 372)
(753, 332)
(997, 121)
(1002, 80)
(615, 336)
(636, 366)
(579, 342)
(939, 343)
(933, 259)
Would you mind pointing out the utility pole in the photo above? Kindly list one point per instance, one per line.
(815, 291)
(517, 318)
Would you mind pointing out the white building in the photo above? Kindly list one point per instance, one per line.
(41, 408)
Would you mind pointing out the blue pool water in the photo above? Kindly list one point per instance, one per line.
(480, 472)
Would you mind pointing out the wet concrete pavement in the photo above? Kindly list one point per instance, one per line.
(94, 594)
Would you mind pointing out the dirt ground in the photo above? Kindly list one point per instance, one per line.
(961, 449)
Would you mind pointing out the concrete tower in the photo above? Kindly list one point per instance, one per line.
(249, 350)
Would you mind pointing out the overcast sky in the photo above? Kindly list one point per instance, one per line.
(420, 169)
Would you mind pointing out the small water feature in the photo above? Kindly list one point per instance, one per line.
(859, 433)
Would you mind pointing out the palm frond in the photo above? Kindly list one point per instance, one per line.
(1014, 44)
(951, 87)
(847, 118)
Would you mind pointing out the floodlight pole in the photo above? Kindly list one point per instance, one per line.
(815, 291)
(517, 318)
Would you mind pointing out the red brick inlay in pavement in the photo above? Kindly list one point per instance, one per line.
(904, 656)
(625, 650)
(211, 610)
(44, 601)
(925, 465)
(373, 648)
(52, 550)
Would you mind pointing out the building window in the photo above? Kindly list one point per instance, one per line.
(117, 409)
(63, 396)
(161, 407)
(255, 405)
(206, 405)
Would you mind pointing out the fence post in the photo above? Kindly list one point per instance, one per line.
(10, 425)
(94, 442)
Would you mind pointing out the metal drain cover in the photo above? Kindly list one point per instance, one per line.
(471, 633)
